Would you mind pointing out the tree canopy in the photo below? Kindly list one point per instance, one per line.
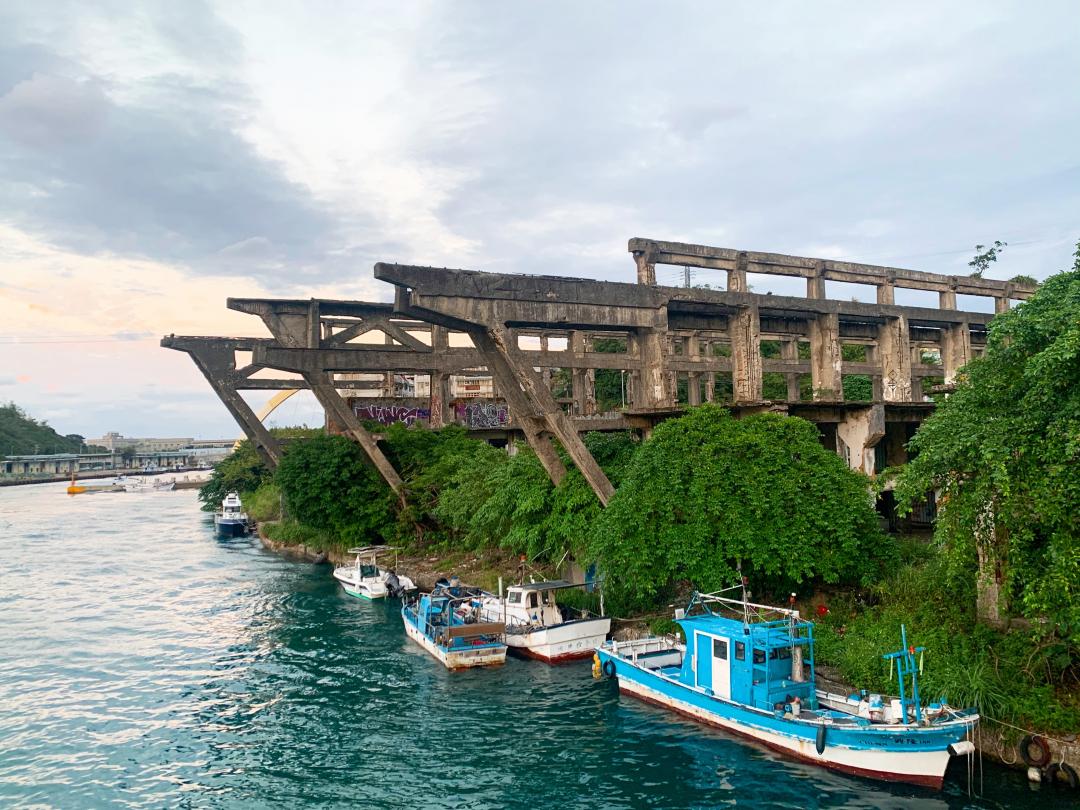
(1003, 451)
(707, 492)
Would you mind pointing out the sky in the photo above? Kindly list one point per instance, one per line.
(156, 158)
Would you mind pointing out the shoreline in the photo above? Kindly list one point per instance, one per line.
(992, 740)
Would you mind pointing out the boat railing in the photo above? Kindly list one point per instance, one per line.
(636, 648)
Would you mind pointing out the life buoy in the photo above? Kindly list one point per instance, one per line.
(609, 668)
(1039, 744)
(819, 743)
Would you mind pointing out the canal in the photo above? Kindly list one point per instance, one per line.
(146, 663)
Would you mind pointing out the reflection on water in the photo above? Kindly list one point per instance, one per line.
(146, 663)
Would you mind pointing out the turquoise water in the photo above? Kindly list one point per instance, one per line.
(146, 663)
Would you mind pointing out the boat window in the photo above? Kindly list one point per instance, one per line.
(514, 597)
(781, 654)
(759, 656)
(532, 599)
(740, 651)
(719, 648)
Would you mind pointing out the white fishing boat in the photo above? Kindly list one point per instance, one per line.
(231, 520)
(538, 627)
(366, 579)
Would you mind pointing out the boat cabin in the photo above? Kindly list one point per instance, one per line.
(454, 621)
(534, 603)
(747, 660)
(231, 506)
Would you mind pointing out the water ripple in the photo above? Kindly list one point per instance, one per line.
(145, 663)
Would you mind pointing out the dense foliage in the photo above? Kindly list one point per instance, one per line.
(22, 435)
(241, 471)
(1003, 451)
(1018, 676)
(708, 492)
(328, 485)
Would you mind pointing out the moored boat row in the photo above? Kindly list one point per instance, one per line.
(739, 666)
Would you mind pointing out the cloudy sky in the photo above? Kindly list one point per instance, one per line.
(156, 158)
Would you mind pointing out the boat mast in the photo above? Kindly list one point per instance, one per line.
(905, 666)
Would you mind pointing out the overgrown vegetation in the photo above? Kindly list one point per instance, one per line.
(21, 434)
(1003, 451)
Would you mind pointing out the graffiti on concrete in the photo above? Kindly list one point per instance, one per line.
(392, 414)
(482, 415)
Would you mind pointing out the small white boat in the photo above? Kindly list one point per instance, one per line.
(537, 627)
(365, 579)
(231, 520)
(148, 485)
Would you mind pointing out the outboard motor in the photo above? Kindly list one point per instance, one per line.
(393, 584)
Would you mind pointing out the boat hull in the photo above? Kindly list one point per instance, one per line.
(230, 528)
(570, 641)
(362, 589)
(454, 659)
(891, 755)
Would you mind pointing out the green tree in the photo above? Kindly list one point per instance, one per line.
(328, 485)
(1003, 452)
(984, 257)
(707, 492)
(241, 471)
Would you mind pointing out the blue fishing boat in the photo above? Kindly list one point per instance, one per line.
(749, 669)
(448, 623)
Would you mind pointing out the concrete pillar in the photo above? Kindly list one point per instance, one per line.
(440, 400)
(671, 378)
(440, 339)
(646, 267)
(1001, 304)
(789, 353)
(693, 388)
(894, 348)
(955, 349)
(545, 372)
(826, 360)
(885, 293)
(815, 284)
(917, 389)
(947, 299)
(710, 386)
(744, 332)
(654, 391)
(859, 432)
(736, 277)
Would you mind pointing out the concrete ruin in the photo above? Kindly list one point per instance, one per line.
(710, 343)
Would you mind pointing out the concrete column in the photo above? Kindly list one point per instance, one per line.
(646, 267)
(815, 284)
(654, 391)
(885, 293)
(789, 353)
(955, 349)
(916, 389)
(671, 378)
(545, 372)
(894, 348)
(736, 277)
(947, 299)
(826, 360)
(693, 388)
(859, 432)
(440, 400)
(1001, 304)
(710, 386)
(744, 331)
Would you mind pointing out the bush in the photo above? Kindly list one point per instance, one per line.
(707, 492)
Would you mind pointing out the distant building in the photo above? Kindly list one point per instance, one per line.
(116, 443)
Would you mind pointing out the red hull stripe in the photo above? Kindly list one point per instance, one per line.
(525, 652)
(934, 782)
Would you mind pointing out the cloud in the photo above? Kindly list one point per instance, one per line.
(48, 111)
